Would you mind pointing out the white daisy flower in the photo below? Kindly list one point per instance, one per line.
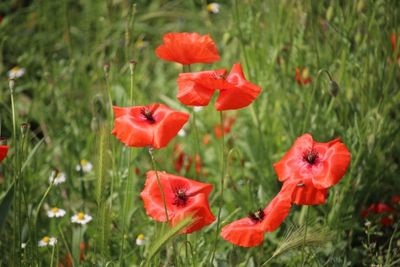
(55, 212)
(81, 218)
(182, 133)
(57, 177)
(47, 241)
(23, 245)
(16, 72)
(197, 108)
(85, 165)
(213, 8)
(140, 240)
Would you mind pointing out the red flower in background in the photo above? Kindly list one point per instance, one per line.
(188, 48)
(395, 199)
(380, 209)
(197, 88)
(184, 161)
(228, 123)
(249, 232)
(393, 42)
(153, 125)
(239, 93)
(323, 163)
(3, 149)
(184, 197)
(302, 77)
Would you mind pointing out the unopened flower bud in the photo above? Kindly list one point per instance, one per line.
(106, 68)
(132, 65)
(25, 128)
(333, 88)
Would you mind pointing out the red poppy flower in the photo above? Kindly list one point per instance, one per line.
(249, 232)
(197, 88)
(395, 199)
(188, 48)
(239, 94)
(377, 208)
(153, 125)
(182, 160)
(393, 42)
(3, 152)
(303, 77)
(323, 163)
(184, 197)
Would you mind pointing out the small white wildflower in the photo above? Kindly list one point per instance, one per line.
(56, 212)
(213, 8)
(16, 72)
(182, 133)
(197, 108)
(81, 218)
(85, 165)
(140, 240)
(23, 245)
(47, 241)
(57, 177)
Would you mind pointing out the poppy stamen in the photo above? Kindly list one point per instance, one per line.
(257, 216)
(180, 197)
(148, 114)
(311, 156)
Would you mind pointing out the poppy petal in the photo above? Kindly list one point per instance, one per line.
(188, 48)
(197, 88)
(244, 233)
(240, 92)
(3, 152)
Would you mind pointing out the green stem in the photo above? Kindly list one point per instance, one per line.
(303, 259)
(159, 183)
(221, 185)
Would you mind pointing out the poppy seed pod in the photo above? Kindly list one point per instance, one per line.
(333, 88)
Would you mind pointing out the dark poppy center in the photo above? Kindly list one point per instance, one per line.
(257, 216)
(148, 114)
(180, 197)
(311, 156)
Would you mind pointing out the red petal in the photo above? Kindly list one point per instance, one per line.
(196, 205)
(303, 192)
(133, 129)
(244, 233)
(188, 48)
(3, 152)
(197, 88)
(292, 162)
(276, 211)
(239, 94)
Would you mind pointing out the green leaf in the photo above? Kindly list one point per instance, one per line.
(5, 205)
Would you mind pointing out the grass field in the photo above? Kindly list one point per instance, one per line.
(78, 58)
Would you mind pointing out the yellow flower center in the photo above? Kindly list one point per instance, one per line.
(55, 210)
(80, 216)
(84, 162)
(15, 69)
(140, 237)
(46, 239)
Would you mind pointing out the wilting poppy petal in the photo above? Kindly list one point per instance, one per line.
(249, 232)
(324, 163)
(197, 88)
(239, 94)
(142, 126)
(184, 197)
(3, 152)
(302, 77)
(188, 48)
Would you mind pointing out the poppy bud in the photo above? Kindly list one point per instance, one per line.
(106, 68)
(25, 128)
(132, 66)
(333, 88)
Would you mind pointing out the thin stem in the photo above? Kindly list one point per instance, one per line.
(303, 259)
(159, 183)
(221, 185)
